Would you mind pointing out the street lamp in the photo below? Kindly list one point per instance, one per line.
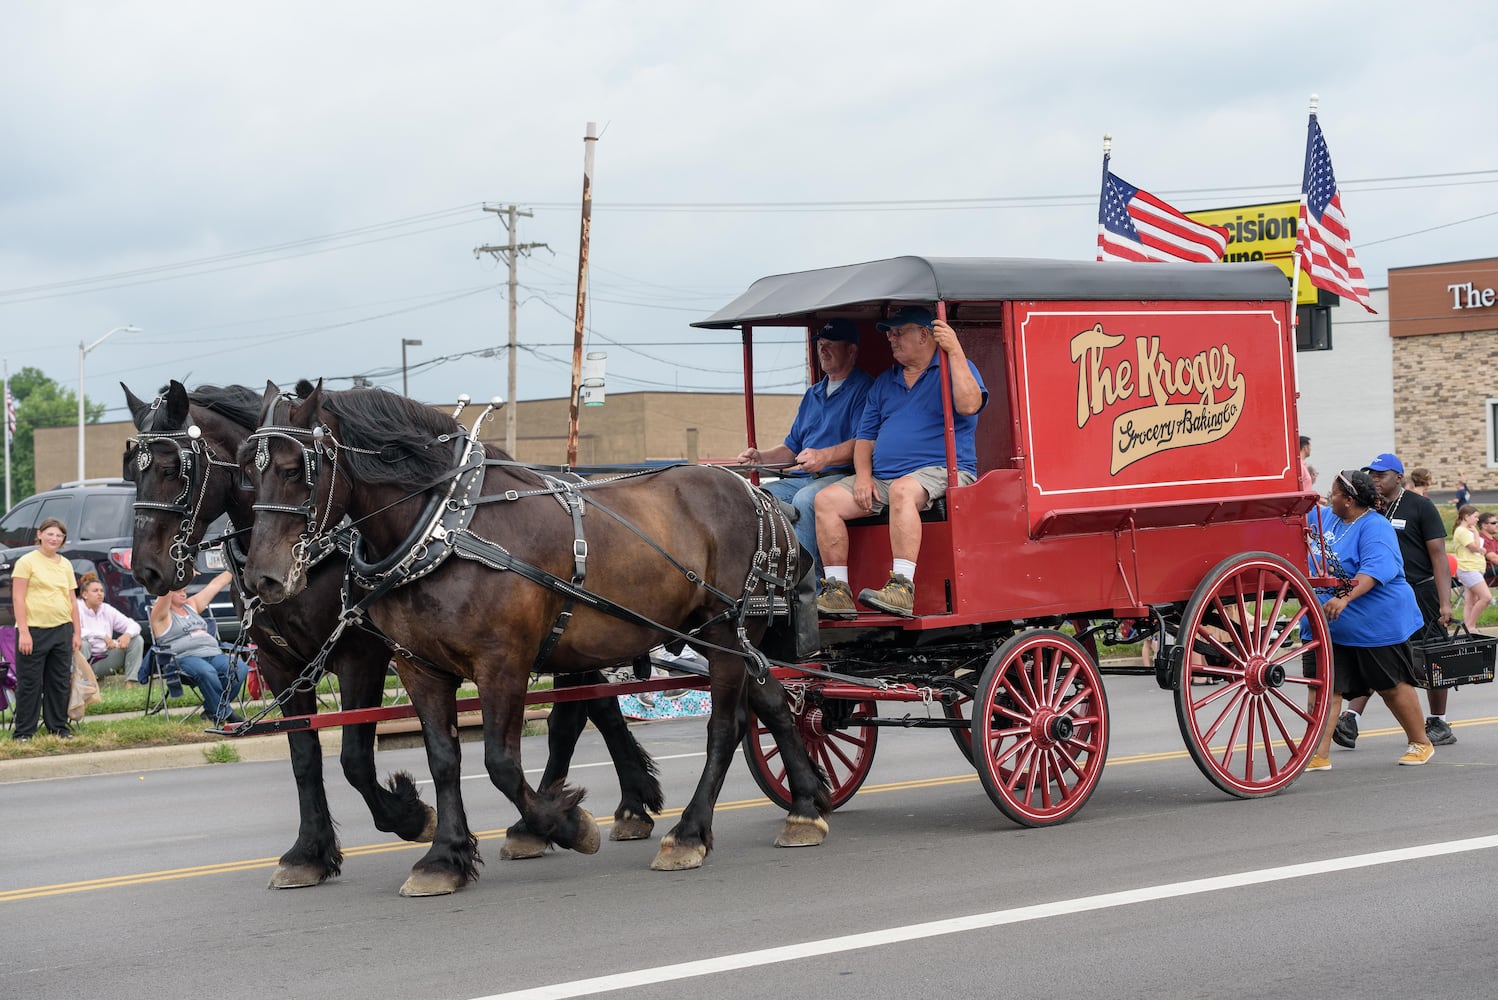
(405, 343)
(83, 353)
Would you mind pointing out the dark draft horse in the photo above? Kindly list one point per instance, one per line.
(380, 458)
(184, 480)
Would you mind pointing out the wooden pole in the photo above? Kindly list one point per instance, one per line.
(589, 141)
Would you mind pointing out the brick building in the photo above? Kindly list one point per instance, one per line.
(1443, 324)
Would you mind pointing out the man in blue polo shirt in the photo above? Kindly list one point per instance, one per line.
(820, 443)
(900, 458)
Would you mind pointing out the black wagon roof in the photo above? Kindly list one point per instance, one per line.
(787, 299)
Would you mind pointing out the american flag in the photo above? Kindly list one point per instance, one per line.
(1135, 225)
(1322, 244)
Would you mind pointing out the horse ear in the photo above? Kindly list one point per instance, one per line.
(268, 403)
(304, 412)
(138, 407)
(177, 403)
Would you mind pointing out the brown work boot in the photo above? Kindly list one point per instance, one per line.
(836, 600)
(897, 597)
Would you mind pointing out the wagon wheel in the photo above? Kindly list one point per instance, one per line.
(844, 754)
(1040, 728)
(1253, 734)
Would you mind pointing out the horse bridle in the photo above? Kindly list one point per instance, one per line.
(194, 455)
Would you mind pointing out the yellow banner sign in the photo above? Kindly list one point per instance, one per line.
(1261, 232)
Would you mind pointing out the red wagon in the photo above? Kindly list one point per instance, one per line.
(1137, 464)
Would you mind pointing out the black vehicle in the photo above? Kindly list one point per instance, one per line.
(99, 520)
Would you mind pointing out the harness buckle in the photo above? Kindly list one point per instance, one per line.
(512, 494)
(580, 549)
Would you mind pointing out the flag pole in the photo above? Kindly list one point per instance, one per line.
(1298, 263)
(7, 433)
(1103, 193)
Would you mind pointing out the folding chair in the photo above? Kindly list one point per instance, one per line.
(7, 676)
(165, 680)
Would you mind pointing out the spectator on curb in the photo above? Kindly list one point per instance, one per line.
(111, 641)
(1471, 561)
(1487, 527)
(47, 633)
(1420, 480)
(177, 624)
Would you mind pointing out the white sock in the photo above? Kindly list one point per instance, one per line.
(836, 573)
(1355, 715)
(905, 568)
(1441, 717)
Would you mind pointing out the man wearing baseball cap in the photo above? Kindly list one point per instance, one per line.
(819, 447)
(1422, 543)
(900, 458)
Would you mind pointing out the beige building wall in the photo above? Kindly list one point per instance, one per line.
(628, 428)
(1443, 385)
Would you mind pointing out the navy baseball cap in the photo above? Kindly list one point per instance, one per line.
(842, 330)
(905, 315)
(1387, 462)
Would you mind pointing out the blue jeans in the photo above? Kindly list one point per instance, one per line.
(800, 492)
(216, 678)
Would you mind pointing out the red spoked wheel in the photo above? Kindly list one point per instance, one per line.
(1040, 727)
(836, 740)
(1255, 729)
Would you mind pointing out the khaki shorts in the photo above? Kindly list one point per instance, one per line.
(933, 479)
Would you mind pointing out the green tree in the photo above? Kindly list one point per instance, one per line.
(40, 402)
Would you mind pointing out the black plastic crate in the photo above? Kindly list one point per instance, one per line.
(1461, 658)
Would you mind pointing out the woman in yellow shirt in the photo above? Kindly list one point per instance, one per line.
(47, 633)
(1471, 560)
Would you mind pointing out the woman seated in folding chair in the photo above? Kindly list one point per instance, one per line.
(177, 625)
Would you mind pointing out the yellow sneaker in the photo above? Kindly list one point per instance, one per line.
(1319, 763)
(836, 600)
(1417, 754)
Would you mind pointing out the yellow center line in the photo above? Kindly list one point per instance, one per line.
(364, 850)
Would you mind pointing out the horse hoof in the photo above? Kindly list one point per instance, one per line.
(430, 883)
(801, 831)
(296, 877)
(429, 831)
(674, 857)
(588, 837)
(522, 844)
(632, 827)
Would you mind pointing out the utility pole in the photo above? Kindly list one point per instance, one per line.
(508, 214)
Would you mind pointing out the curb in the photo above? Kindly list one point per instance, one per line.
(74, 765)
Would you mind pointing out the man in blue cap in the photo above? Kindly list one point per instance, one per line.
(900, 458)
(819, 447)
(1422, 543)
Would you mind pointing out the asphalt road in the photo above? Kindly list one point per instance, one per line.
(1370, 880)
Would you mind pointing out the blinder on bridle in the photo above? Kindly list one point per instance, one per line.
(315, 444)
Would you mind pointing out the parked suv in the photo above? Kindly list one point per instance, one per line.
(100, 519)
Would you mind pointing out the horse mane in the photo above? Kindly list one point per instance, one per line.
(401, 432)
(237, 403)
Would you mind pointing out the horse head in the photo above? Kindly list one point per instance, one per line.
(181, 463)
(292, 461)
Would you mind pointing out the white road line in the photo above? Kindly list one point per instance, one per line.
(575, 767)
(979, 921)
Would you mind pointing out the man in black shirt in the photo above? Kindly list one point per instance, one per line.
(1422, 542)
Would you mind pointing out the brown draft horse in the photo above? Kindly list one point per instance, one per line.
(184, 480)
(664, 545)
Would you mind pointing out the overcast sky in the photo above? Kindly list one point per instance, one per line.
(279, 190)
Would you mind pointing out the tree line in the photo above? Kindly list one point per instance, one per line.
(39, 402)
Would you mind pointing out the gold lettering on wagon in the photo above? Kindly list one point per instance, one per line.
(1209, 379)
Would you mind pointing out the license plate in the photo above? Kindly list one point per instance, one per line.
(214, 559)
